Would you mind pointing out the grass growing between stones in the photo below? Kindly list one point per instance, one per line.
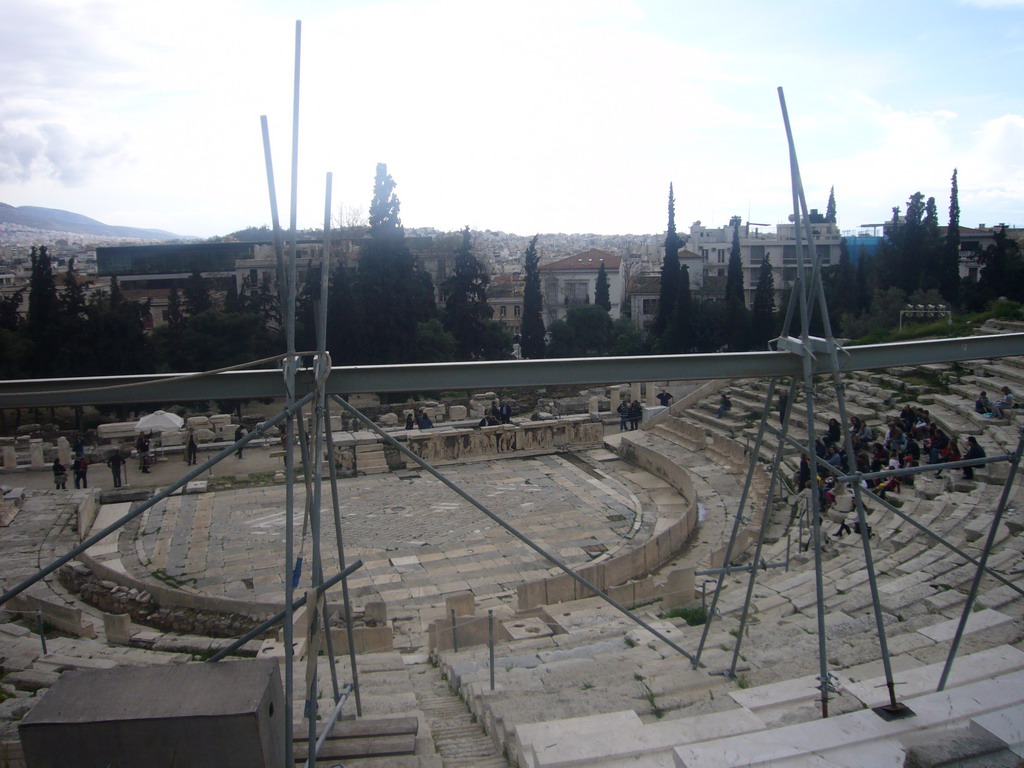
(694, 617)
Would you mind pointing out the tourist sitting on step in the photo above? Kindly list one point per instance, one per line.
(879, 457)
(983, 405)
(974, 451)
(833, 434)
(1006, 401)
(894, 437)
(724, 405)
(907, 417)
(950, 453)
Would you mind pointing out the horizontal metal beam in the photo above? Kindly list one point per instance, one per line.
(435, 377)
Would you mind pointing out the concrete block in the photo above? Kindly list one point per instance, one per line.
(199, 715)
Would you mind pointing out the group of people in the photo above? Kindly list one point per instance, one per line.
(630, 414)
(420, 421)
(910, 438)
(80, 468)
(498, 413)
(991, 410)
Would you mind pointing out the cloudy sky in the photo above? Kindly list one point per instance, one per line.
(534, 116)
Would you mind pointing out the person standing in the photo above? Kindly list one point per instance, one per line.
(78, 446)
(60, 475)
(116, 462)
(623, 411)
(506, 412)
(80, 467)
(192, 448)
(239, 434)
(142, 448)
(664, 397)
(636, 412)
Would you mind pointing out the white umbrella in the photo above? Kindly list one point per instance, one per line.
(159, 421)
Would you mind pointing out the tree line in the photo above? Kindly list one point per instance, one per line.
(383, 310)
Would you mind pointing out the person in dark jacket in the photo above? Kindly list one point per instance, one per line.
(80, 468)
(116, 462)
(974, 451)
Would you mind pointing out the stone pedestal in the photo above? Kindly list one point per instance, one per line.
(10, 457)
(35, 452)
(64, 451)
(634, 391)
(651, 401)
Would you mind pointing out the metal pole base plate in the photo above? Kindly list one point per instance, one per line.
(891, 712)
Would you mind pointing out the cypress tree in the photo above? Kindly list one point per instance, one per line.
(601, 292)
(466, 308)
(734, 276)
(830, 211)
(680, 331)
(532, 330)
(949, 280)
(387, 279)
(43, 322)
(763, 325)
(669, 271)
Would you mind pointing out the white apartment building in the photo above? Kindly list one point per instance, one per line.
(714, 246)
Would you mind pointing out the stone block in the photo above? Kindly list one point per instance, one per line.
(531, 594)
(11, 457)
(457, 412)
(198, 422)
(388, 419)
(463, 603)
(35, 452)
(561, 589)
(118, 628)
(679, 591)
(375, 613)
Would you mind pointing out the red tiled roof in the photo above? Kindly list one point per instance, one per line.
(589, 260)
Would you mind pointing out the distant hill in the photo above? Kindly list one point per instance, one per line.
(53, 219)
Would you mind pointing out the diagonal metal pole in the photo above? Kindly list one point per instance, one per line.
(511, 529)
(736, 523)
(808, 379)
(973, 594)
(832, 350)
(765, 519)
(339, 539)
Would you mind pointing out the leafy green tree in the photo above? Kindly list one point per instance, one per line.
(196, 294)
(10, 317)
(433, 343)
(175, 316)
(669, 271)
(1002, 272)
(118, 342)
(628, 338)
(213, 339)
(532, 328)
(840, 282)
(949, 278)
(466, 309)
(763, 320)
(601, 293)
(587, 331)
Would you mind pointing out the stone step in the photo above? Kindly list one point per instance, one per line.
(858, 738)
